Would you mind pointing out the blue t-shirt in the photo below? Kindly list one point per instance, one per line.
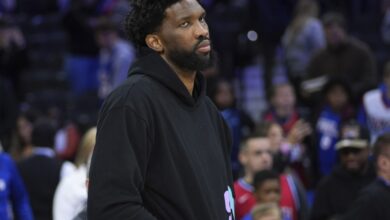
(12, 191)
(249, 217)
(327, 131)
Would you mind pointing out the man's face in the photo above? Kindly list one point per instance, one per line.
(384, 163)
(184, 36)
(353, 159)
(257, 156)
(268, 192)
(335, 35)
(224, 97)
(337, 97)
(284, 97)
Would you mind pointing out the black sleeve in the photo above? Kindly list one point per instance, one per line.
(118, 167)
(364, 208)
(321, 207)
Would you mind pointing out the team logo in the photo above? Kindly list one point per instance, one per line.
(229, 203)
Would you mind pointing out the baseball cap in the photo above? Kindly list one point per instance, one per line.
(352, 143)
(353, 136)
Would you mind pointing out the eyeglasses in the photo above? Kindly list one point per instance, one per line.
(347, 151)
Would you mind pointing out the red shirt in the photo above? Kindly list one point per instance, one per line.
(286, 124)
(289, 202)
(245, 200)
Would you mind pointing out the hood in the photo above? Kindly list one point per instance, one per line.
(154, 66)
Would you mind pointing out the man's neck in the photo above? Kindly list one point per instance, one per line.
(188, 80)
(185, 76)
(248, 178)
(284, 113)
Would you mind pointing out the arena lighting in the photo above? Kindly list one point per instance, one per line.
(252, 35)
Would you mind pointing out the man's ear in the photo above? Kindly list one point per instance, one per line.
(154, 43)
(242, 157)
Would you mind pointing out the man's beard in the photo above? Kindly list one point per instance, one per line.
(190, 60)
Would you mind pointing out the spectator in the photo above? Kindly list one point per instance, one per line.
(68, 135)
(374, 200)
(13, 54)
(12, 191)
(21, 146)
(266, 189)
(71, 194)
(239, 122)
(116, 55)
(279, 147)
(81, 65)
(41, 171)
(336, 109)
(303, 38)
(293, 197)
(344, 57)
(254, 156)
(376, 105)
(283, 110)
(285, 150)
(266, 212)
(336, 192)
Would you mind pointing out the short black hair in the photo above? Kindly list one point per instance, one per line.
(338, 82)
(145, 17)
(334, 18)
(43, 133)
(262, 176)
(382, 145)
(253, 135)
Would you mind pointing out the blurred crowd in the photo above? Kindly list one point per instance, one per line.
(308, 156)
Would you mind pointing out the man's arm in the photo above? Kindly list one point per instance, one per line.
(118, 167)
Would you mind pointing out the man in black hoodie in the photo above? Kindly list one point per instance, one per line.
(336, 192)
(373, 202)
(162, 149)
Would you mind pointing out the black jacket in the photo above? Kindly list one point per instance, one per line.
(336, 192)
(373, 203)
(160, 152)
(41, 175)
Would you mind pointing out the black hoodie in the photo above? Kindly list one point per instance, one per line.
(160, 152)
(336, 192)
